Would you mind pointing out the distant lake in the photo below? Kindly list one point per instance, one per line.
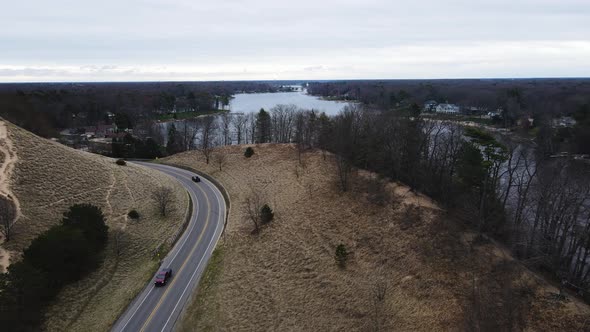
(253, 102)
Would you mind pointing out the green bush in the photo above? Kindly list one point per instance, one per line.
(24, 292)
(90, 220)
(249, 152)
(133, 214)
(341, 255)
(266, 214)
(121, 162)
(61, 255)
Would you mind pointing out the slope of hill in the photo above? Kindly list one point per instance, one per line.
(409, 267)
(46, 178)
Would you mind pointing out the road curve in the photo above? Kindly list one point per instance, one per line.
(158, 308)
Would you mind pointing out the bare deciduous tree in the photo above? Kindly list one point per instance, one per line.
(162, 196)
(300, 133)
(282, 119)
(311, 129)
(252, 207)
(220, 159)
(251, 128)
(344, 169)
(226, 121)
(7, 216)
(189, 134)
(239, 121)
(208, 129)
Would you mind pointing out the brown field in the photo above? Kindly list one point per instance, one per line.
(48, 178)
(286, 279)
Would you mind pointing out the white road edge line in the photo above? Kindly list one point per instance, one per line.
(215, 190)
(171, 260)
(191, 228)
(136, 309)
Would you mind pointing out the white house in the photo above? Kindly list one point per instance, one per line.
(429, 106)
(447, 108)
(564, 122)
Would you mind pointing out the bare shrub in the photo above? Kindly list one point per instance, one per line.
(379, 290)
(252, 208)
(162, 196)
(220, 159)
(344, 169)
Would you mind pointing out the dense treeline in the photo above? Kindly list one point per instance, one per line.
(132, 147)
(539, 206)
(569, 139)
(45, 107)
(549, 95)
(518, 100)
(61, 255)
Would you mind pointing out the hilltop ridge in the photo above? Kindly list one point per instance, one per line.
(45, 178)
(433, 272)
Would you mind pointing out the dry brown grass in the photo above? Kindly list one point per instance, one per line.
(286, 277)
(49, 178)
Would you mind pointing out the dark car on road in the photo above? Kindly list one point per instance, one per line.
(196, 179)
(162, 277)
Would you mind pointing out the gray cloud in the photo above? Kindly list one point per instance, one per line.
(129, 40)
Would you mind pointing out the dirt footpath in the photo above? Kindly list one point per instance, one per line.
(7, 163)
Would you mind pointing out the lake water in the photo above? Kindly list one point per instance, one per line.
(253, 102)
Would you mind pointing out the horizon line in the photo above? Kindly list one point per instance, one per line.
(307, 80)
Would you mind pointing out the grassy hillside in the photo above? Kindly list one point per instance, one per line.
(409, 267)
(46, 179)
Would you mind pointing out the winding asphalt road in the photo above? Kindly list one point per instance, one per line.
(158, 308)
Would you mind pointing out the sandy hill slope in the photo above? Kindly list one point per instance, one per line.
(45, 178)
(431, 274)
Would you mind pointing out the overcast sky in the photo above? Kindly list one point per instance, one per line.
(138, 40)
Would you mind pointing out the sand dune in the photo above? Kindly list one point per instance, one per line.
(286, 277)
(46, 178)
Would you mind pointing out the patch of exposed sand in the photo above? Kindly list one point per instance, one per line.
(9, 160)
(410, 197)
(4, 259)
